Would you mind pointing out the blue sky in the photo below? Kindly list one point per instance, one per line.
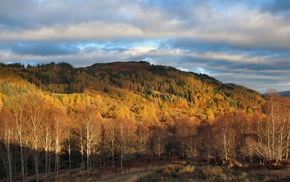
(244, 42)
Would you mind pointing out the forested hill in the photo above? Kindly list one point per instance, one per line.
(165, 87)
(55, 116)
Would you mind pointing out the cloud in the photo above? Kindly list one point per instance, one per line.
(242, 42)
(278, 7)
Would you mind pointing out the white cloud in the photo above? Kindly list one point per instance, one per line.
(137, 51)
(240, 41)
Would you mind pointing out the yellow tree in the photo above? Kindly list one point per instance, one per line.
(249, 147)
(185, 134)
(7, 132)
(16, 105)
(110, 138)
(159, 139)
(35, 115)
(225, 136)
(272, 132)
(46, 142)
(143, 138)
(69, 135)
(286, 119)
(272, 109)
(89, 131)
(126, 138)
(57, 117)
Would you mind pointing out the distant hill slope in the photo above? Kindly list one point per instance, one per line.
(165, 87)
(285, 93)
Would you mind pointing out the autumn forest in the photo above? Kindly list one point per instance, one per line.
(56, 118)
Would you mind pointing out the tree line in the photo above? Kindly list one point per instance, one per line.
(41, 134)
(164, 83)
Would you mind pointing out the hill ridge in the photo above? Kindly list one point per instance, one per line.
(156, 83)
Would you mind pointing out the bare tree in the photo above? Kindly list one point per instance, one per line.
(272, 129)
(89, 130)
(47, 142)
(126, 138)
(16, 105)
(110, 139)
(159, 139)
(249, 148)
(58, 116)
(205, 134)
(35, 116)
(287, 123)
(7, 130)
(225, 136)
(185, 134)
(143, 138)
(68, 143)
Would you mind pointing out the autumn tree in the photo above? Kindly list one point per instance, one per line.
(35, 116)
(7, 136)
(16, 106)
(249, 148)
(286, 121)
(225, 136)
(272, 126)
(89, 132)
(242, 126)
(186, 136)
(126, 137)
(205, 134)
(57, 117)
(158, 139)
(46, 143)
(110, 138)
(272, 130)
(143, 138)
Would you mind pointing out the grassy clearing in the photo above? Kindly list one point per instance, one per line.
(189, 172)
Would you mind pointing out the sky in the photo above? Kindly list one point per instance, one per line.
(245, 42)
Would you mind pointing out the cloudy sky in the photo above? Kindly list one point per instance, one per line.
(245, 42)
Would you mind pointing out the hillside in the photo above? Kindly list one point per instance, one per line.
(168, 89)
(107, 118)
(285, 93)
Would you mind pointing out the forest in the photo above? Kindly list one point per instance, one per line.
(56, 118)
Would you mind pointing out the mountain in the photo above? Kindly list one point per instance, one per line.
(170, 90)
(285, 93)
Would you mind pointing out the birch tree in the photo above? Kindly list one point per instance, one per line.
(58, 117)
(185, 134)
(7, 134)
(46, 141)
(225, 136)
(143, 138)
(159, 139)
(126, 138)
(110, 137)
(35, 116)
(16, 105)
(89, 130)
